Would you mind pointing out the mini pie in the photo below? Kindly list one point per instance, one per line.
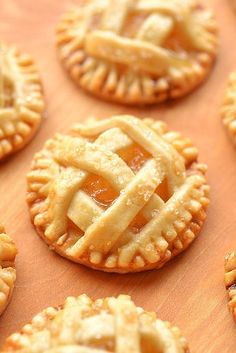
(229, 107)
(21, 100)
(110, 325)
(7, 269)
(118, 195)
(138, 51)
(230, 280)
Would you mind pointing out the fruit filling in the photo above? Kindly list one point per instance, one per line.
(100, 190)
(134, 156)
(177, 42)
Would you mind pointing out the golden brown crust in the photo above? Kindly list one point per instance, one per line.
(228, 110)
(138, 52)
(135, 226)
(21, 100)
(7, 268)
(82, 325)
(230, 280)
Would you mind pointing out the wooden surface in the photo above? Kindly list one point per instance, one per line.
(189, 291)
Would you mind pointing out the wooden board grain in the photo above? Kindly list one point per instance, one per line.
(189, 291)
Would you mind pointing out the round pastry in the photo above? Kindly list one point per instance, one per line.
(82, 325)
(230, 280)
(138, 51)
(7, 269)
(229, 107)
(21, 100)
(118, 195)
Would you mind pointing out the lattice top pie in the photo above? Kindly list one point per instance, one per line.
(7, 268)
(230, 280)
(21, 100)
(118, 195)
(111, 325)
(138, 51)
(229, 107)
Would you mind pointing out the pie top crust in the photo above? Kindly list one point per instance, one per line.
(102, 326)
(118, 195)
(138, 51)
(229, 107)
(7, 268)
(21, 100)
(230, 280)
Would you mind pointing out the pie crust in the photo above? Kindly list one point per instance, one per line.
(7, 268)
(138, 51)
(118, 195)
(21, 100)
(108, 325)
(230, 280)
(228, 111)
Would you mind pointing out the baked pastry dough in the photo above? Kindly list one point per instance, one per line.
(21, 100)
(118, 195)
(229, 107)
(107, 325)
(230, 280)
(7, 269)
(138, 51)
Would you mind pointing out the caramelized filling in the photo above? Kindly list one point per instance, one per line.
(138, 223)
(176, 42)
(100, 190)
(163, 190)
(134, 156)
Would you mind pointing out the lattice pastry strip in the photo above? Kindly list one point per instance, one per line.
(138, 51)
(118, 195)
(21, 100)
(82, 325)
(7, 268)
(228, 110)
(230, 280)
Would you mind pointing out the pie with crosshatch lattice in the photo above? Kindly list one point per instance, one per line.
(230, 280)
(21, 100)
(110, 325)
(138, 51)
(229, 107)
(7, 268)
(118, 195)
